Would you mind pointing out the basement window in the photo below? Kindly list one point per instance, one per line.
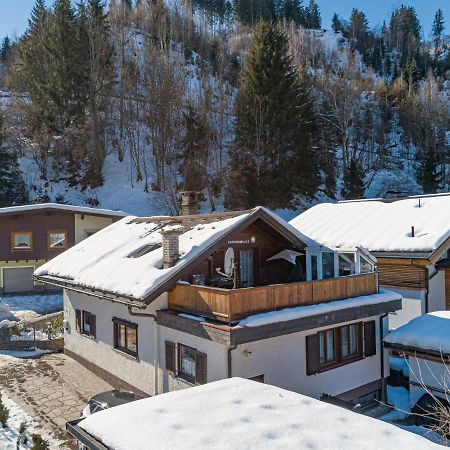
(144, 250)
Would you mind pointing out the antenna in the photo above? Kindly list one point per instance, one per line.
(412, 231)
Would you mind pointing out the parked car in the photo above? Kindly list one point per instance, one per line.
(108, 399)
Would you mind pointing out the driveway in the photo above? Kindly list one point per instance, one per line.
(52, 389)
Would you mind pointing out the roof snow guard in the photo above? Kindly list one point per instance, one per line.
(101, 265)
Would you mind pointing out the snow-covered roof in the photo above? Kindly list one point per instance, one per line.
(61, 207)
(378, 225)
(108, 260)
(430, 332)
(299, 312)
(241, 414)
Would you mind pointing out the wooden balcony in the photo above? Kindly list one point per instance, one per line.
(229, 305)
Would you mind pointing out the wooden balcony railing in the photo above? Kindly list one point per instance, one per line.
(229, 305)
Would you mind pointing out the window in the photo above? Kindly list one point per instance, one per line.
(144, 250)
(314, 273)
(337, 346)
(327, 346)
(365, 265)
(346, 264)
(22, 240)
(85, 323)
(350, 346)
(327, 265)
(57, 239)
(191, 365)
(125, 336)
(187, 357)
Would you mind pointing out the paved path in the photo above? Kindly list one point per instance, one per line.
(52, 389)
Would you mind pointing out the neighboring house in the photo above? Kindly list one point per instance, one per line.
(238, 414)
(31, 235)
(162, 303)
(410, 238)
(425, 342)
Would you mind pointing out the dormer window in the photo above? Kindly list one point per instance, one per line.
(22, 240)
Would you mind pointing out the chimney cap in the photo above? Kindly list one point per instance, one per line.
(173, 229)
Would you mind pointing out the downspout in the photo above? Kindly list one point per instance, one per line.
(230, 349)
(383, 382)
(156, 344)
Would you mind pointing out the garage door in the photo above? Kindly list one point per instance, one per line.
(18, 279)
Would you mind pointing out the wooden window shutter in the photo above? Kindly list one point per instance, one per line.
(93, 323)
(170, 356)
(200, 369)
(78, 320)
(370, 339)
(312, 354)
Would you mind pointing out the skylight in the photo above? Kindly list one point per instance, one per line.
(144, 250)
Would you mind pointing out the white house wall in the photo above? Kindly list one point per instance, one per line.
(282, 360)
(430, 376)
(217, 358)
(436, 296)
(100, 351)
(413, 305)
(86, 223)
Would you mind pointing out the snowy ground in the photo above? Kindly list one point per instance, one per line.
(10, 434)
(33, 305)
(399, 398)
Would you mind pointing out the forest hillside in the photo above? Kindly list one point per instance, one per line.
(251, 102)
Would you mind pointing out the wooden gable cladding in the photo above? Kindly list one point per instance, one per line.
(263, 240)
(401, 274)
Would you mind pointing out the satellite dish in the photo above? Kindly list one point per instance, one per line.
(228, 261)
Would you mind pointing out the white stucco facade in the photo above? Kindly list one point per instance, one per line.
(281, 360)
(85, 224)
(436, 296)
(138, 372)
(413, 305)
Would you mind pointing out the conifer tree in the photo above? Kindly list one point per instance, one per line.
(97, 62)
(5, 48)
(39, 10)
(337, 24)
(272, 162)
(312, 15)
(438, 31)
(12, 188)
(67, 83)
(292, 10)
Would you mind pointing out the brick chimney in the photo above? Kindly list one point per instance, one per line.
(171, 245)
(189, 203)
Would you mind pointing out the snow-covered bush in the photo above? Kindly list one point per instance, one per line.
(4, 309)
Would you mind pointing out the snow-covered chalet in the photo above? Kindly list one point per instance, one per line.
(410, 237)
(162, 303)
